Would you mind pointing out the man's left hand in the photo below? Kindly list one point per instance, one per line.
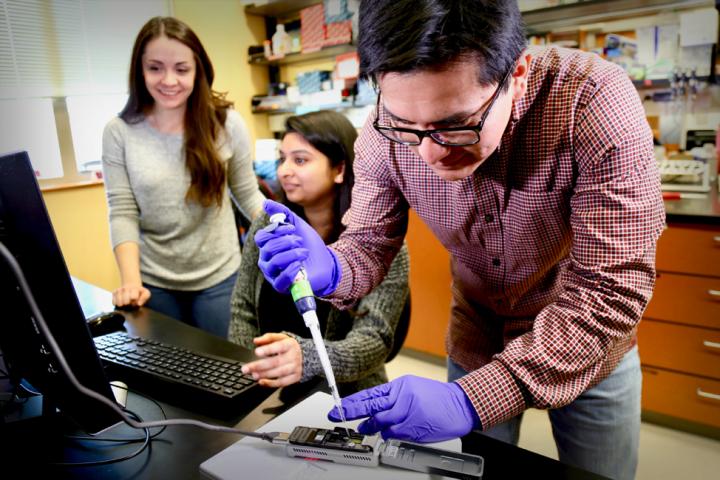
(411, 408)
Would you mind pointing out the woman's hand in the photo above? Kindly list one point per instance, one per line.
(131, 295)
(280, 361)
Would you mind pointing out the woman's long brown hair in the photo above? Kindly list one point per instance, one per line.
(204, 116)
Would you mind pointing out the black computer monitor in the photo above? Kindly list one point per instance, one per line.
(26, 230)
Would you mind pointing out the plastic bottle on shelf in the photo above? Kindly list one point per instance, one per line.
(267, 48)
(280, 41)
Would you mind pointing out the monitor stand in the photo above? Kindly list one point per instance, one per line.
(120, 391)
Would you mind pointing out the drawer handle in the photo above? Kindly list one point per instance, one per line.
(714, 293)
(710, 344)
(717, 239)
(711, 396)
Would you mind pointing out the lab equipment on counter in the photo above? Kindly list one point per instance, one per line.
(349, 447)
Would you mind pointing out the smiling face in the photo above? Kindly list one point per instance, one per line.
(450, 97)
(305, 173)
(169, 72)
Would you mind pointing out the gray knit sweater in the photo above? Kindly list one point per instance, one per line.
(183, 245)
(358, 357)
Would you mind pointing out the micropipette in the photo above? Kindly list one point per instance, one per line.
(304, 299)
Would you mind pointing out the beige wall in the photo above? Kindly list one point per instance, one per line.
(79, 215)
(226, 32)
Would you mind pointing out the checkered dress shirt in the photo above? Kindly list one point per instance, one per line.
(552, 239)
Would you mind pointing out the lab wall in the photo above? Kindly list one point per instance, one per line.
(79, 216)
(226, 32)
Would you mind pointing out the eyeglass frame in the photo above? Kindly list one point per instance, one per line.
(421, 134)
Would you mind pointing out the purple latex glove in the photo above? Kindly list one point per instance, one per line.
(412, 408)
(287, 248)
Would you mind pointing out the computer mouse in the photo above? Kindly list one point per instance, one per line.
(105, 322)
(126, 308)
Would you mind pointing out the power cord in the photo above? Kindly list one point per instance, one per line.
(99, 439)
(95, 463)
(55, 348)
(26, 388)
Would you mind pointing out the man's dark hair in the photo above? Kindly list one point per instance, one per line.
(408, 35)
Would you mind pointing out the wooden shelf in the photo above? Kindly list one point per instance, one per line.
(270, 8)
(574, 14)
(305, 109)
(48, 186)
(328, 52)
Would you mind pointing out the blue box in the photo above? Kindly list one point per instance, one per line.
(311, 82)
(336, 11)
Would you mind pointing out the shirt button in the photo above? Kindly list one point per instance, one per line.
(496, 262)
(489, 217)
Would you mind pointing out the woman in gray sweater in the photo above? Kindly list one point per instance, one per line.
(316, 174)
(168, 160)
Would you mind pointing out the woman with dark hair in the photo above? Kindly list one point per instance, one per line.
(316, 174)
(169, 159)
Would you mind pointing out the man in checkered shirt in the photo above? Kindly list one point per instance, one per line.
(535, 169)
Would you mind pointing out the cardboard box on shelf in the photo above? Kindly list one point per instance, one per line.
(347, 66)
(338, 33)
(312, 28)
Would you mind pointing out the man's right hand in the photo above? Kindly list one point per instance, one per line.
(131, 296)
(284, 250)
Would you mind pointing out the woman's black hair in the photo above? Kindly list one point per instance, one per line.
(414, 35)
(332, 134)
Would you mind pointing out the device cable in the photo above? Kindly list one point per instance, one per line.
(25, 288)
(95, 463)
(120, 440)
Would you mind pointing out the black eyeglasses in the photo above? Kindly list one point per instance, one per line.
(453, 136)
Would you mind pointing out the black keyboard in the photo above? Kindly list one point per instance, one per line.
(192, 380)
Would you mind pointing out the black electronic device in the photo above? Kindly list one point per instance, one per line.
(201, 381)
(346, 446)
(105, 322)
(26, 231)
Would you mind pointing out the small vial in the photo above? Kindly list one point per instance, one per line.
(267, 48)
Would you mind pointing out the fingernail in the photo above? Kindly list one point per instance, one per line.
(259, 352)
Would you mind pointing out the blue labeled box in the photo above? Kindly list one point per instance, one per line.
(336, 11)
(311, 82)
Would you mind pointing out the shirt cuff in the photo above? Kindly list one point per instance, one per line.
(494, 393)
(340, 297)
(310, 365)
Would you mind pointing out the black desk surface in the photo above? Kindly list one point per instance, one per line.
(177, 453)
